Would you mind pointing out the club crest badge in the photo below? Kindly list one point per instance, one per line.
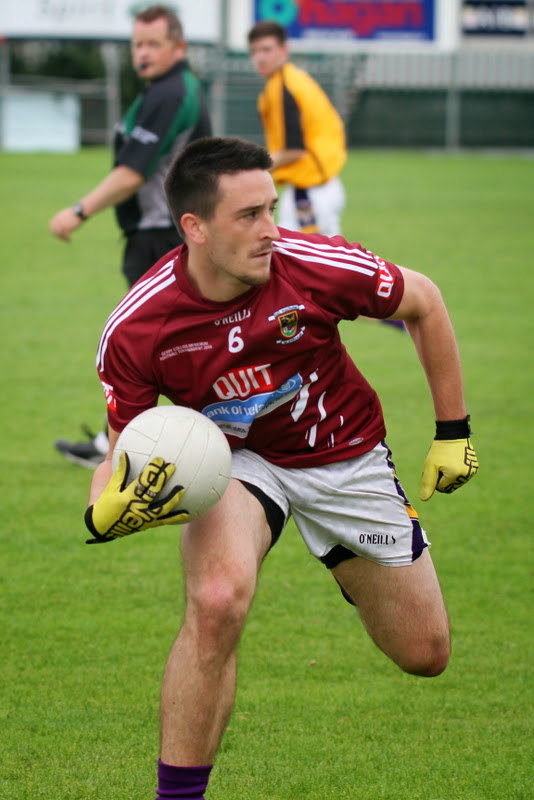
(289, 323)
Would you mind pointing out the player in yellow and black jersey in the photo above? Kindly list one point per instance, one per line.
(304, 134)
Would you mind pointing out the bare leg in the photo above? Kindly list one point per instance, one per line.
(403, 611)
(222, 553)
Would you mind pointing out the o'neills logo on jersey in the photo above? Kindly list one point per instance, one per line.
(239, 316)
(244, 382)
(288, 321)
(110, 397)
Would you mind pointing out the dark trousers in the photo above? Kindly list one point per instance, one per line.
(144, 248)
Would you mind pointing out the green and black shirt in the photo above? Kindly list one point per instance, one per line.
(161, 121)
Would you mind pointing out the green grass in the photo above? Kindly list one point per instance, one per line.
(320, 712)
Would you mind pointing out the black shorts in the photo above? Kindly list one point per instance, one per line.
(144, 248)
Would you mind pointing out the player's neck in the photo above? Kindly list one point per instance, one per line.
(212, 284)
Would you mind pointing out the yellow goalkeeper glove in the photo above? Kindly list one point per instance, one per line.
(451, 460)
(124, 508)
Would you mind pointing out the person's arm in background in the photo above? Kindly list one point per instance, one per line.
(120, 184)
(284, 157)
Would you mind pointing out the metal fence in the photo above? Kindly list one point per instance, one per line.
(466, 98)
(473, 97)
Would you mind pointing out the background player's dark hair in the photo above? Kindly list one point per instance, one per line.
(152, 13)
(192, 182)
(267, 27)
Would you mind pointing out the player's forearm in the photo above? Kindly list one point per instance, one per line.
(102, 473)
(428, 322)
(436, 346)
(101, 477)
(284, 157)
(119, 185)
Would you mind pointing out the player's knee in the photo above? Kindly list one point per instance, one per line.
(220, 606)
(428, 660)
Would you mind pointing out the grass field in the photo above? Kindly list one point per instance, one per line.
(320, 712)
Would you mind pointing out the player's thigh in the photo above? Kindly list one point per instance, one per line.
(223, 550)
(402, 609)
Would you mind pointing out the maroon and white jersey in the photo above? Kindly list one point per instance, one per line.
(268, 367)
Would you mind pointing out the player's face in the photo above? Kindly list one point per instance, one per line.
(268, 55)
(238, 238)
(153, 53)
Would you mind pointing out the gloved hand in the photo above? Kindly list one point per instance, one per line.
(451, 460)
(123, 509)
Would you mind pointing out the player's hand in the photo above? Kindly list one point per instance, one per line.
(450, 462)
(124, 508)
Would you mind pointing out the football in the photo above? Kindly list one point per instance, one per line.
(187, 439)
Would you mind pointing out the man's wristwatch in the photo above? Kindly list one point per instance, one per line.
(78, 210)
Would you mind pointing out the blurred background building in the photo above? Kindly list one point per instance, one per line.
(403, 73)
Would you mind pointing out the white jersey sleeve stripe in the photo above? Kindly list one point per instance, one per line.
(339, 257)
(354, 265)
(293, 241)
(303, 244)
(140, 288)
(133, 295)
(128, 309)
(342, 256)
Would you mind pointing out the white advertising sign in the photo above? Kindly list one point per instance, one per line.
(99, 19)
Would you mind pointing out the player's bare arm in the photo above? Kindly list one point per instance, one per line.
(427, 320)
(451, 460)
(121, 183)
(102, 473)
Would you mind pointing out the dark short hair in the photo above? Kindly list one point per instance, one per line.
(192, 182)
(267, 27)
(175, 30)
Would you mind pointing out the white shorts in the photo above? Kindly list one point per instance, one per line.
(356, 505)
(327, 200)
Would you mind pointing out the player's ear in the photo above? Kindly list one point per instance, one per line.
(193, 228)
